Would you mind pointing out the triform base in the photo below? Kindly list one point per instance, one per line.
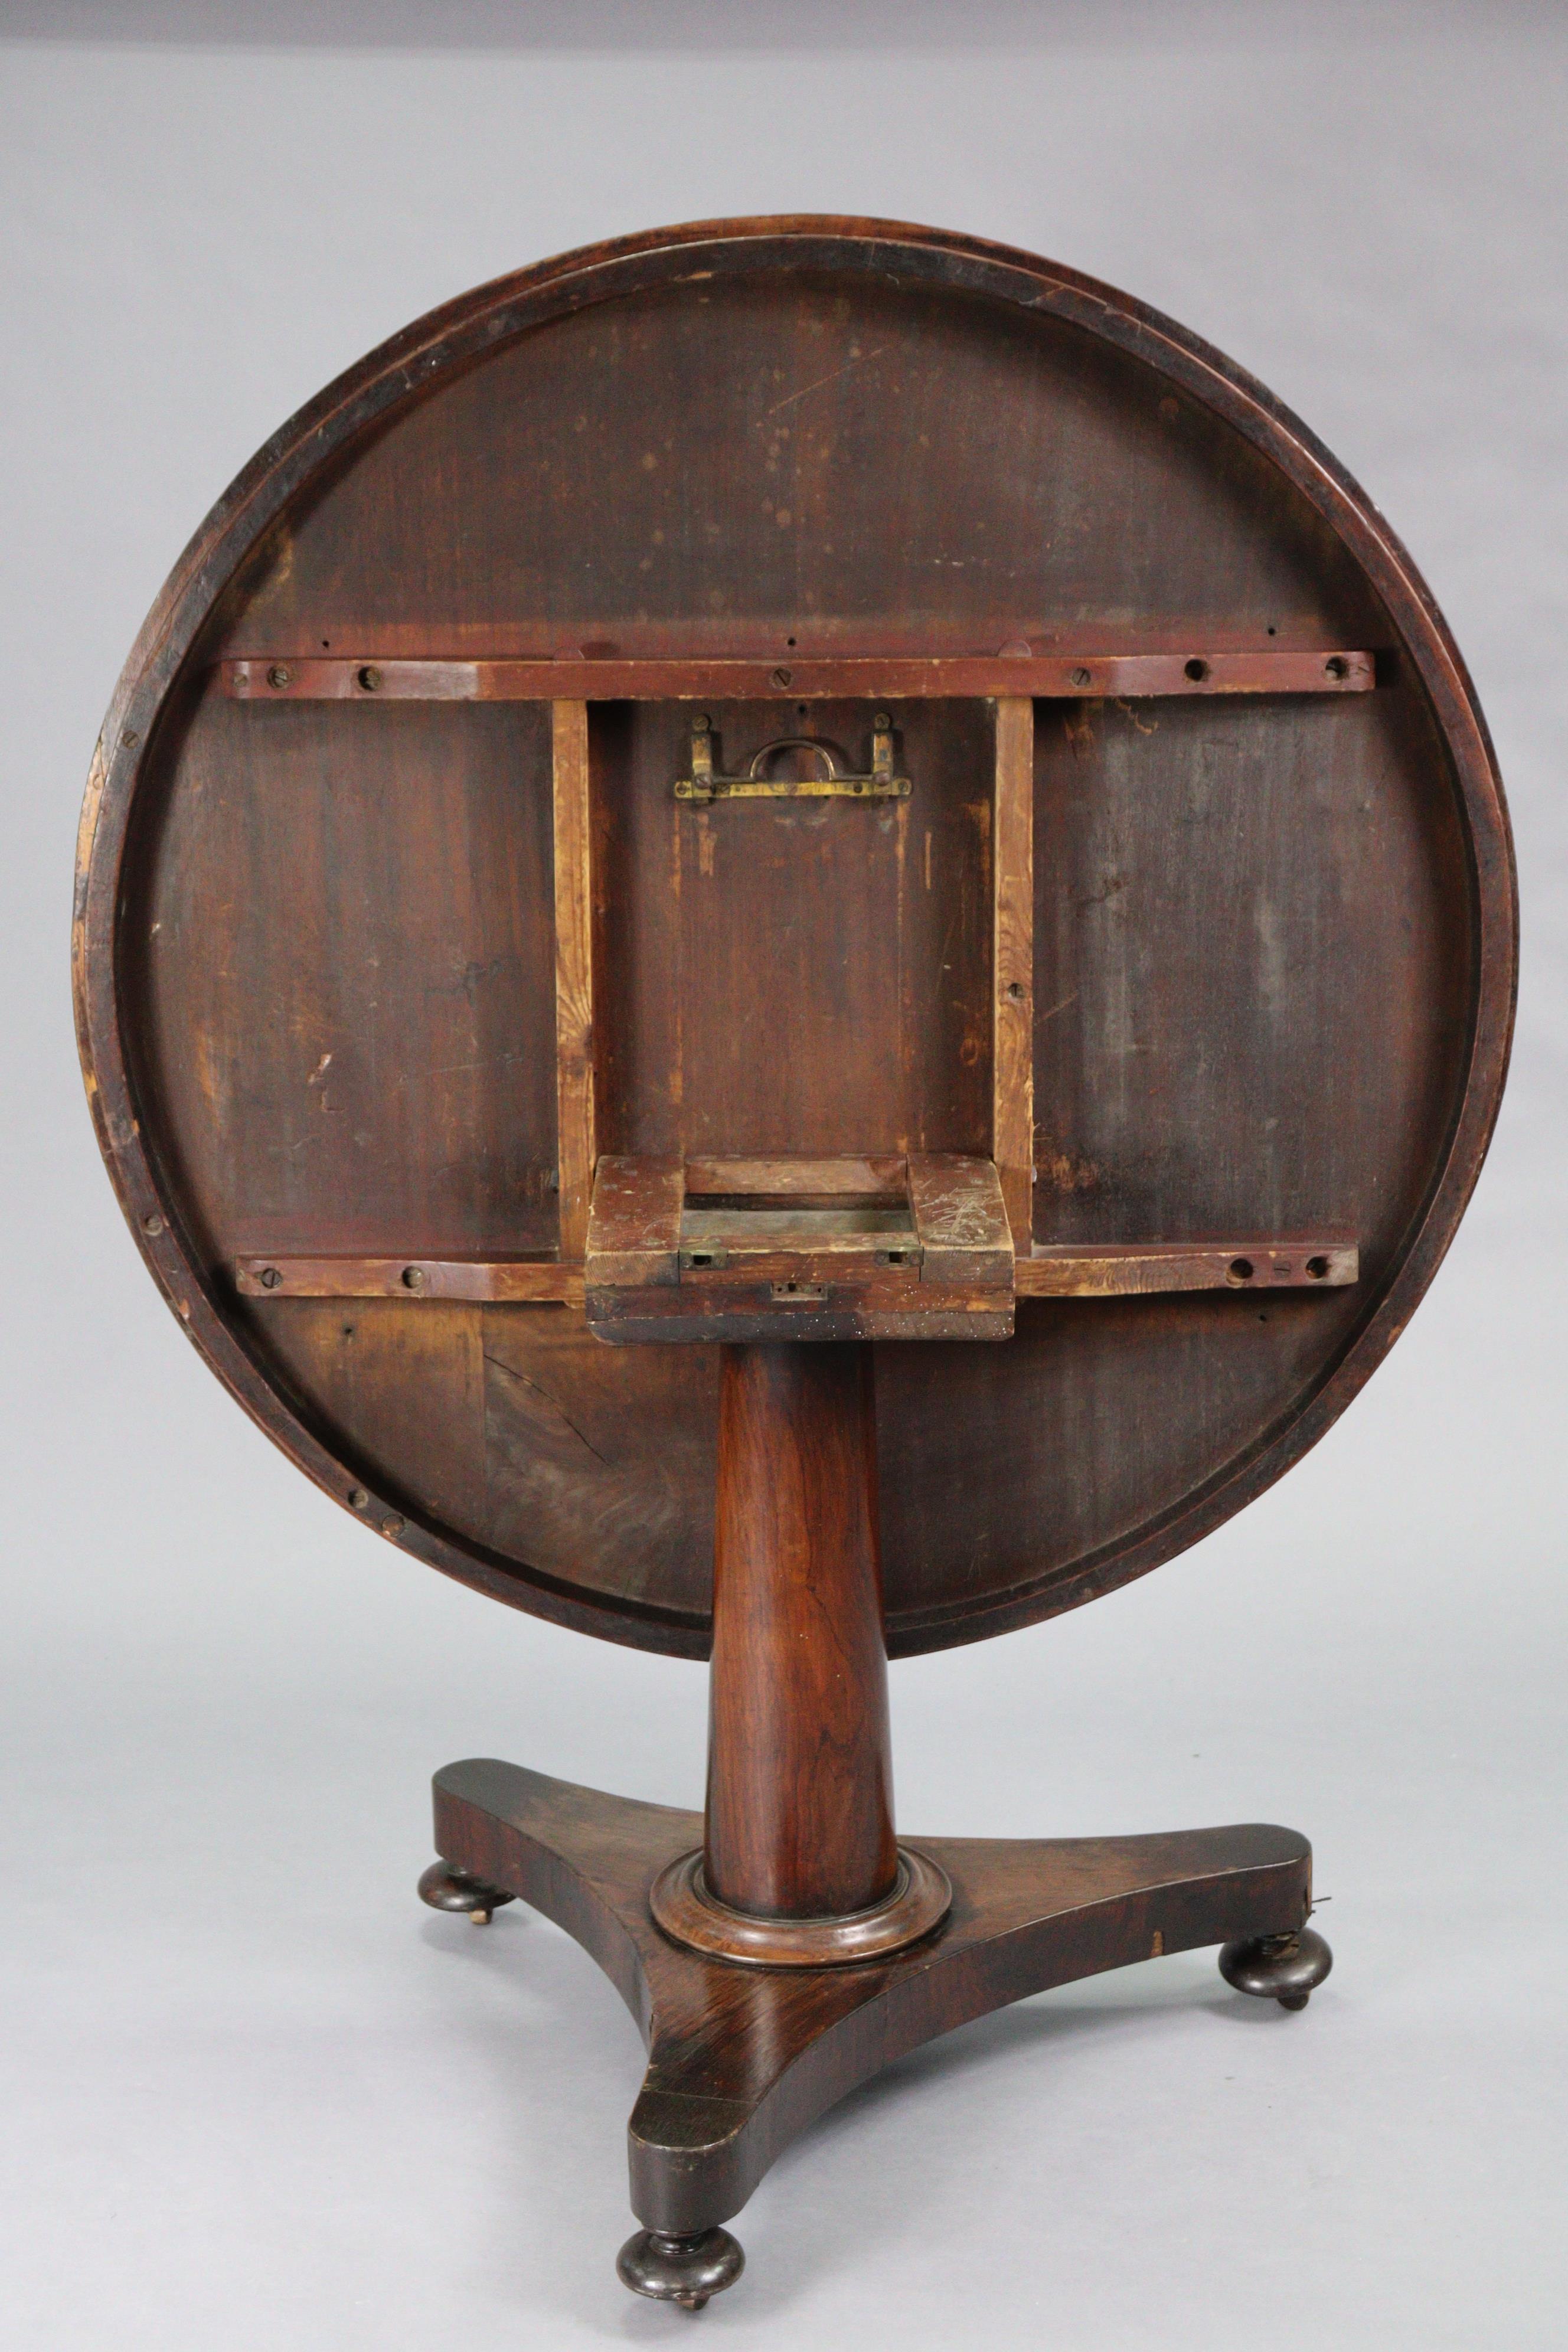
(742, 2058)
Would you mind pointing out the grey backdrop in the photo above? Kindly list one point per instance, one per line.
(253, 2096)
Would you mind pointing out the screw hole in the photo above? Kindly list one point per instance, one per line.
(1272, 630)
(789, 641)
(1241, 1269)
(1337, 666)
(1197, 669)
(370, 678)
(1316, 1267)
(1015, 989)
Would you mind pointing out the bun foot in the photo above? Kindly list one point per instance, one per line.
(1287, 1968)
(686, 2271)
(445, 1889)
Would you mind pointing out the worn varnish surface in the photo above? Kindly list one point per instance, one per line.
(800, 1773)
(317, 951)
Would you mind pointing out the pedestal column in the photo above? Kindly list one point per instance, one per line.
(800, 1777)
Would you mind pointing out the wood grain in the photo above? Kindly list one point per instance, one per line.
(634, 1223)
(576, 1124)
(800, 1776)
(314, 938)
(741, 2061)
(1013, 963)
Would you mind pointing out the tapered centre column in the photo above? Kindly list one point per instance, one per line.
(800, 1785)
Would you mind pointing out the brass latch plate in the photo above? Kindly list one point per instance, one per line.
(757, 784)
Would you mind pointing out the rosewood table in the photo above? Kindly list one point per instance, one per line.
(795, 941)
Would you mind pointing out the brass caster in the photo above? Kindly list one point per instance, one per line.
(686, 2271)
(1285, 1969)
(445, 1889)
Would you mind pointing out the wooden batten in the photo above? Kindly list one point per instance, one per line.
(1013, 964)
(576, 1138)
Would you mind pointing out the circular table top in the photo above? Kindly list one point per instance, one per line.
(1273, 932)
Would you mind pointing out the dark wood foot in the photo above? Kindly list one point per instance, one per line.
(742, 2059)
(445, 1889)
(1287, 1968)
(686, 2271)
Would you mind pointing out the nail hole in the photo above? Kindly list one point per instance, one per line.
(1197, 669)
(789, 641)
(1241, 1269)
(1272, 630)
(1316, 1267)
(1014, 988)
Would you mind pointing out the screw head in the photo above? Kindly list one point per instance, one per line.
(393, 1526)
(1079, 677)
(783, 677)
(413, 1278)
(359, 1498)
(152, 1227)
(130, 738)
(882, 721)
(701, 722)
(280, 675)
(270, 1277)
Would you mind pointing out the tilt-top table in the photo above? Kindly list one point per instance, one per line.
(795, 941)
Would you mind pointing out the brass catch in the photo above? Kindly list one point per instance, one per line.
(703, 784)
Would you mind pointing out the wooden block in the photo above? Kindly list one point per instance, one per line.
(1013, 963)
(709, 1310)
(634, 1224)
(961, 1221)
(575, 1136)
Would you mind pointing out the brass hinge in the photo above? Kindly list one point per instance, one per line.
(703, 784)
